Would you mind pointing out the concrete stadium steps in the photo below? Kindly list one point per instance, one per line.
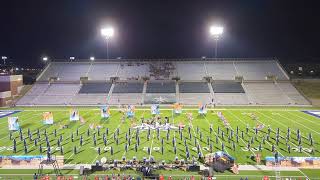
(62, 89)
(52, 100)
(227, 87)
(266, 94)
(190, 70)
(95, 88)
(230, 99)
(26, 100)
(193, 87)
(195, 98)
(37, 90)
(128, 87)
(293, 93)
(123, 98)
(103, 71)
(133, 71)
(258, 70)
(190, 90)
(161, 87)
(89, 99)
(221, 71)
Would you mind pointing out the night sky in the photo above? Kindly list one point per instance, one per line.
(29, 29)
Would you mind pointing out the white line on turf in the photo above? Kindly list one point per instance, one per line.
(243, 140)
(300, 124)
(282, 136)
(307, 119)
(110, 136)
(132, 134)
(263, 124)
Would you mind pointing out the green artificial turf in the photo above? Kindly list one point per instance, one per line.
(87, 154)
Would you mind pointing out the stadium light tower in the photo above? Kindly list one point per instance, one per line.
(4, 58)
(107, 33)
(72, 58)
(216, 32)
(45, 59)
(91, 58)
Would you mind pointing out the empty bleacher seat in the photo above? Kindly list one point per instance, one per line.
(128, 87)
(103, 71)
(227, 87)
(194, 87)
(161, 87)
(221, 70)
(190, 70)
(259, 70)
(93, 88)
(266, 93)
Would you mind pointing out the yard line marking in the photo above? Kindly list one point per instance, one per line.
(49, 134)
(215, 134)
(94, 159)
(298, 123)
(303, 174)
(316, 123)
(110, 134)
(253, 153)
(132, 134)
(151, 144)
(36, 138)
(282, 136)
(194, 132)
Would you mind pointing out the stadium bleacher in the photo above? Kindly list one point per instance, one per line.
(133, 71)
(128, 87)
(259, 70)
(161, 87)
(191, 70)
(266, 93)
(221, 71)
(231, 99)
(102, 71)
(124, 98)
(194, 87)
(130, 84)
(227, 87)
(94, 88)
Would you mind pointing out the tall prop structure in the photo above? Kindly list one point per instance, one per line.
(74, 115)
(105, 111)
(13, 123)
(177, 107)
(155, 109)
(47, 118)
(130, 111)
(202, 109)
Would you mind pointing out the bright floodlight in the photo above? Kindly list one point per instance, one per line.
(216, 30)
(72, 58)
(107, 32)
(92, 58)
(45, 58)
(4, 57)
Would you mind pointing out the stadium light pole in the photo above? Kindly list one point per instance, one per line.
(45, 59)
(216, 32)
(107, 33)
(4, 58)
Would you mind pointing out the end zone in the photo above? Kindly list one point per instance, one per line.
(6, 113)
(315, 113)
